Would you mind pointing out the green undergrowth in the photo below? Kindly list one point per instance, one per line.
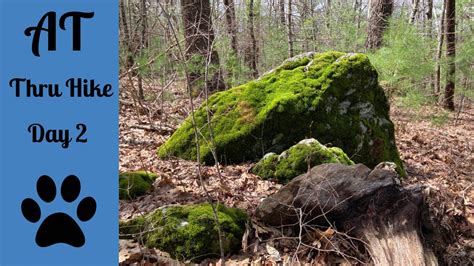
(189, 232)
(424, 110)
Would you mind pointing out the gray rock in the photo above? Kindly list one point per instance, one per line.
(327, 189)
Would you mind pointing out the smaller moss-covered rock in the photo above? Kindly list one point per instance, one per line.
(189, 232)
(134, 184)
(298, 159)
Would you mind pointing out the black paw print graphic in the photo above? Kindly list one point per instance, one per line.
(59, 227)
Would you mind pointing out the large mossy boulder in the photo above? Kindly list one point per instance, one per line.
(333, 97)
(297, 160)
(134, 184)
(189, 232)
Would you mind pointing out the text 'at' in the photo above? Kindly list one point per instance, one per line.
(50, 17)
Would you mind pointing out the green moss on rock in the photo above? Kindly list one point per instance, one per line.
(298, 159)
(333, 97)
(134, 184)
(189, 232)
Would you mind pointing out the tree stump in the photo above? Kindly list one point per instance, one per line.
(369, 205)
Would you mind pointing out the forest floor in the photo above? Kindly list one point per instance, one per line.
(436, 148)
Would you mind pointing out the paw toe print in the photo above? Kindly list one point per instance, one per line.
(59, 227)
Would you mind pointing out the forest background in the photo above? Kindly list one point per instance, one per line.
(422, 49)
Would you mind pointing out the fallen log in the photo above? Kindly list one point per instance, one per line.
(369, 205)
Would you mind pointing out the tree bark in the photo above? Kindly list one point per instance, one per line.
(393, 222)
(327, 9)
(143, 17)
(199, 37)
(429, 26)
(414, 10)
(439, 51)
(170, 7)
(282, 12)
(252, 57)
(126, 33)
(290, 30)
(450, 32)
(313, 28)
(429, 12)
(379, 13)
(303, 9)
(143, 44)
(231, 24)
(356, 13)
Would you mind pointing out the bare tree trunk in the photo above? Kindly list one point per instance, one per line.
(414, 10)
(314, 25)
(290, 30)
(199, 37)
(356, 15)
(379, 13)
(327, 9)
(252, 57)
(231, 24)
(429, 12)
(304, 14)
(143, 44)
(429, 22)
(169, 7)
(143, 17)
(271, 9)
(439, 51)
(131, 50)
(123, 16)
(282, 12)
(450, 54)
(126, 32)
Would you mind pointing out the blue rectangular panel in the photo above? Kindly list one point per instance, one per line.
(58, 147)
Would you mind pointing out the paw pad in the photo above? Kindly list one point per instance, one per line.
(59, 227)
